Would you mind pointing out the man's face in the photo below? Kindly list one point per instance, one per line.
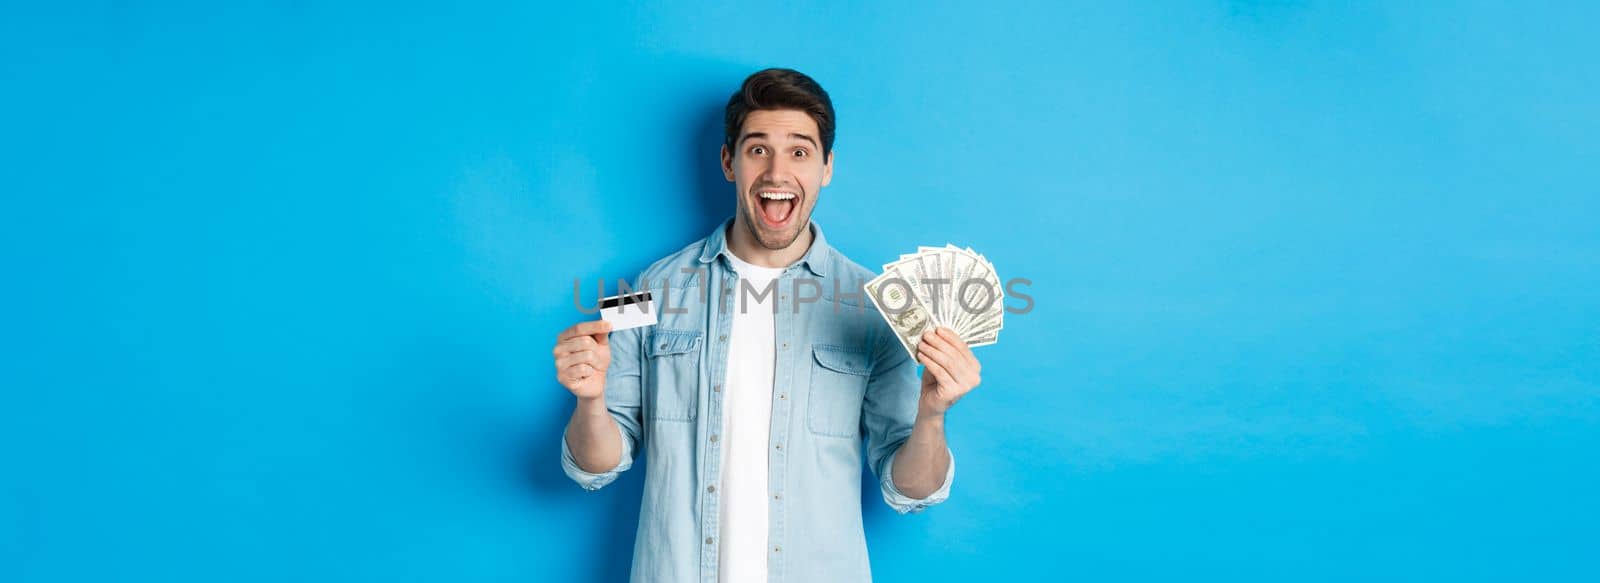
(777, 167)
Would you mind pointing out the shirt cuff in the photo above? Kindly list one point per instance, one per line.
(590, 481)
(906, 504)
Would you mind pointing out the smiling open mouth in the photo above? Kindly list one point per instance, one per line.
(776, 207)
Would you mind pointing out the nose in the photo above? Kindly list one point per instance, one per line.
(777, 171)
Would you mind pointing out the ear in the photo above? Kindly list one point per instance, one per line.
(727, 163)
(827, 169)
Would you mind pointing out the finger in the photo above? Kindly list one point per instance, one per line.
(589, 328)
(581, 371)
(934, 351)
(959, 346)
(939, 373)
(958, 367)
(929, 353)
(963, 349)
(936, 342)
(574, 344)
(951, 337)
(575, 358)
(571, 376)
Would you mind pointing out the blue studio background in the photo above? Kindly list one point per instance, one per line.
(1315, 282)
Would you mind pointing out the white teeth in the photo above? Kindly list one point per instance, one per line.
(777, 195)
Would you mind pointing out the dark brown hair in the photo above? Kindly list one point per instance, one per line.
(771, 89)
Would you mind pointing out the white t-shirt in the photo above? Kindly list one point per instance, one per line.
(746, 419)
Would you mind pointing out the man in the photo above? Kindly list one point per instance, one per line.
(752, 403)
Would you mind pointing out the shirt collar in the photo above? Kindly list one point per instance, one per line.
(815, 258)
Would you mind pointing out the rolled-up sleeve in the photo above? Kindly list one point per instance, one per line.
(622, 402)
(906, 504)
(888, 414)
(591, 481)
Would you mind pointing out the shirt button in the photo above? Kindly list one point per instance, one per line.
(717, 388)
(786, 345)
(777, 496)
(713, 438)
(722, 338)
(708, 540)
(711, 488)
(780, 446)
(777, 549)
(782, 396)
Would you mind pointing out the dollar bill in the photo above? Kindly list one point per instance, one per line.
(908, 318)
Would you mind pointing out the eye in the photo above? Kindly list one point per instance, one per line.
(801, 153)
(758, 150)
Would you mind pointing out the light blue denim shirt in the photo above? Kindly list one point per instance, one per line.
(840, 377)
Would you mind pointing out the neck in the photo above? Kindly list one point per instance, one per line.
(746, 248)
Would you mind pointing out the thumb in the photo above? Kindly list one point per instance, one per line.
(603, 337)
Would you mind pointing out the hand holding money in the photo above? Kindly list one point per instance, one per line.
(940, 302)
(950, 371)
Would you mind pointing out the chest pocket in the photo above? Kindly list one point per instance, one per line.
(674, 368)
(838, 385)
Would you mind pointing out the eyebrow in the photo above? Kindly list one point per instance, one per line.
(763, 135)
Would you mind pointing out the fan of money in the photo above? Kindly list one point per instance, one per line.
(949, 287)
